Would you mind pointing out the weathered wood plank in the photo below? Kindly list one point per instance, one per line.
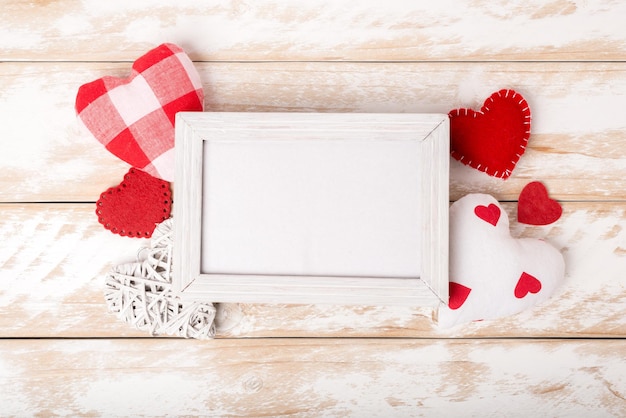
(54, 257)
(46, 157)
(304, 377)
(80, 30)
(576, 146)
(52, 263)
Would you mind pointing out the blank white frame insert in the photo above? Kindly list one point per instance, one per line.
(311, 208)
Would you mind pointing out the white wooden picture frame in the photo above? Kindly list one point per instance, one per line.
(311, 208)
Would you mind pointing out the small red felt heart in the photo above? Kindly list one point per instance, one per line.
(493, 139)
(490, 214)
(535, 206)
(135, 206)
(458, 295)
(526, 284)
(134, 117)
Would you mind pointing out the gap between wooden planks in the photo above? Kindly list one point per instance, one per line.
(313, 377)
(55, 256)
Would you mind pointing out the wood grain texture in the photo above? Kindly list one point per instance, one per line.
(568, 58)
(304, 377)
(52, 265)
(54, 259)
(575, 148)
(319, 30)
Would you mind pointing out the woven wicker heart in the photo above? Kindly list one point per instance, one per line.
(134, 117)
(140, 294)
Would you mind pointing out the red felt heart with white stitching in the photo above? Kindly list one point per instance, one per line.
(492, 139)
(493, 274)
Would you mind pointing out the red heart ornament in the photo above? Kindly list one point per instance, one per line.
(493, 139)
(526, 284)
(490, 214)
(458, 295)
(135, 206)
(134, 117)
(535, 206)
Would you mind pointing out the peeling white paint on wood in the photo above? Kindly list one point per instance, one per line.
(305, 377)
(565, 57)
(316, 30)
(52, 264)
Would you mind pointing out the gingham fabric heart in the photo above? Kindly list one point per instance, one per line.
(134, 117)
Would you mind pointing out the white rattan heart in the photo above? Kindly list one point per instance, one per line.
(140, 294)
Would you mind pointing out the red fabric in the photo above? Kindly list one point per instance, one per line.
(458, 295)
(535, 206)
(527, 284)
(493, 139)
(135, 206)
(134, 117)
(490, 214)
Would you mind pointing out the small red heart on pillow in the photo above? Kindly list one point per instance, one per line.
(492, 274)
(535, 206)
(135, 206)
(458, 295)
(526, 284)
(134, 117)
(493, 139)
(489, 214)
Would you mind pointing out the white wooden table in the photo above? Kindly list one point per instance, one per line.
(62, 354)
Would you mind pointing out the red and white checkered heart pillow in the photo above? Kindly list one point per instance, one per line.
(134, 117)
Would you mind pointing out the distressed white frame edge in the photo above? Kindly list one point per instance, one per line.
(430, 289)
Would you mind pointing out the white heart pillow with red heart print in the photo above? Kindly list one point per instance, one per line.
(492, 274)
